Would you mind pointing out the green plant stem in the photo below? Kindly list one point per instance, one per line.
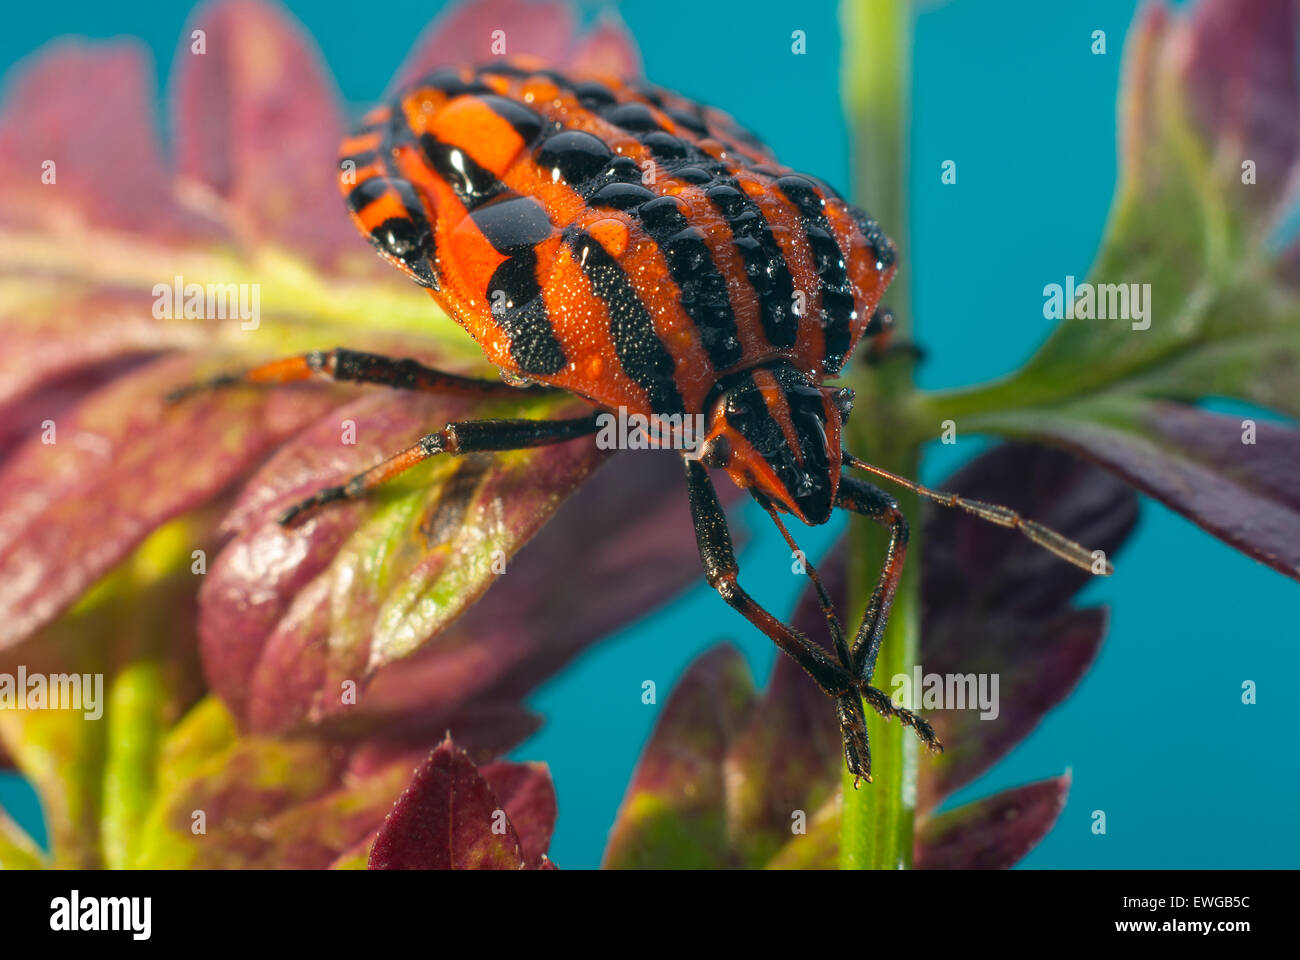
(877, 820)
(877, 74)
(876, 828)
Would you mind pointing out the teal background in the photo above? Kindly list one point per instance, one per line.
(1156, 735)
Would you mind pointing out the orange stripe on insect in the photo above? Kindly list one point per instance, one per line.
(361, 143)
(581, 322)
(644, 264)
(778, 408)
(387, 206)
(482, 133)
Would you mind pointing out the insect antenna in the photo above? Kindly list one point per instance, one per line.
(1045, 537)
(828, 607)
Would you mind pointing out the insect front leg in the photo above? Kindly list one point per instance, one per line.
(468, 436)
(353, 366)
(718, 557)
(877, 505)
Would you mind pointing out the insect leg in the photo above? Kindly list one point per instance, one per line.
(828, 606)
(353, 366)
(468, 436)
(718, 558)
(1045, 537)
(877, 505)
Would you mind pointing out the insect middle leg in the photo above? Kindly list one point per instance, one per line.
(466, 436)
(353, 366)
(718, 557)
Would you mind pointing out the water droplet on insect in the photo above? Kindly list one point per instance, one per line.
(612, 235)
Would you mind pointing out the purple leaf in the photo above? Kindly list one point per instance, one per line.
(995, 604)
(608, 48)
(526, 792)
(1239, 70)
(108, 166)
(595, 566)
(993, 833)
(257, 128)
(1194, 462)
(449, 818)
(377, 582)
(466, 33)
(56, 395)
(121, 465)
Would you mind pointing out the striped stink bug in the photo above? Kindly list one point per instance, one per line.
(641, 251)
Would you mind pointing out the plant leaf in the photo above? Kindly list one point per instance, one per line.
(121, 465)
(378, 579)
(445, 819)
(1194, 461)
(1207, 93)
(526, 793)
(674, 814)
(595, 565)
(257, 127)
(993, 833)
(1239, 69)
(469, 32)
(132, 633)
(994, 604)
(236, 792)
(607, 48)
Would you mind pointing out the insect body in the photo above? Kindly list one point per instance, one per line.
(632, 247)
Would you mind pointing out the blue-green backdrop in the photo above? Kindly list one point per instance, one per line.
(1156, 735)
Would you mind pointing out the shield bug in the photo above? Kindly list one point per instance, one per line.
(639, 250)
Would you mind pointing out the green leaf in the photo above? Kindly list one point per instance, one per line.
(1204, 89)
(675, 812)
